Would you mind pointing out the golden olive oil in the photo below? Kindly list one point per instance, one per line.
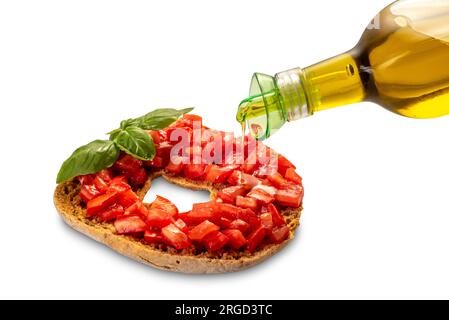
(402, 64)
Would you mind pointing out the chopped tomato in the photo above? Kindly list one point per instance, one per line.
(217, 174)
(239, 225)
(256, 238)
(190, 119)
(199, 213)
(261, 196)
(100, 184)
(266, 188)
(128, 198)
(137, 209)
(151, 237)
(163, 150)
(129, 224)
(236, 238)
(157, 162)
(279, 234)
(227, 210)
(284, 164)
(277, 180)
(182, 225)
(111, 214)
(86, 179)
(243, 179)
(127, 165)
(155, 136)
(101, 203)
(158, 218)
(119, 184)
(105, 174)
(194, 171)
(224, 223)
(165, 205)
(289, 198)
(175, 165)
(202, 230)
(246, 202)
(88, 192)
(278, 219)
(250, 217)
(266, 220)
(138, 178)
(229, 194)
(215, 241)
(292, 176)
(175, 237)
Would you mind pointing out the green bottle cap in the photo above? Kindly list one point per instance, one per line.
(262, 111)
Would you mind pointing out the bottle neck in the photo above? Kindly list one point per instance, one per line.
(325, 85)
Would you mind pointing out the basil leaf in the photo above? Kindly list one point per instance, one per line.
(135, 142)
(91, 158)
(157, 119)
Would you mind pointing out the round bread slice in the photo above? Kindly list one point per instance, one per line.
(68, 205)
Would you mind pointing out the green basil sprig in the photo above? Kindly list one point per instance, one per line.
(131, 138)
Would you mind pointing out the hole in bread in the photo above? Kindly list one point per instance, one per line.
(182, 197)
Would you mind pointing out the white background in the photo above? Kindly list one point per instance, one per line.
(376, 216)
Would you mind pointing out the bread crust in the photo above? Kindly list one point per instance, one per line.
(68, 205)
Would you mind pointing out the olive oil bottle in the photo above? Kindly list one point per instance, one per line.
(400, 63)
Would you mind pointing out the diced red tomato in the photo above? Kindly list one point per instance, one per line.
(261, 196)
(88, 192)
(151, 237)
(292, 176)
(227, 210)
(224, 223)
(129, 224)
(289, 198)
(158, 218)
(106, 175)
(175, 165)
(277, 180)
(157, 162)
(128, 198)
(194, 171)
(127, 165)
(119, 184)
(111, 214)
(239, 225)
(278, 219)
(182, 225)
(101, 203)
(284, 164)
(255, 239)
(250, 217)
(137, 209)
(246, 202)
(217, 174)
(229, 194)
(175, 237)
(279, 234)
(199, 213)
(163, 150)
(236, 238)
(215, 241)
(165, 205)
(155, 136)
(86, 179)
(138, 178)
(243, 179)
(202, 230)
(100, 184)
(189, 119)
(266, 188)
(266, 220)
